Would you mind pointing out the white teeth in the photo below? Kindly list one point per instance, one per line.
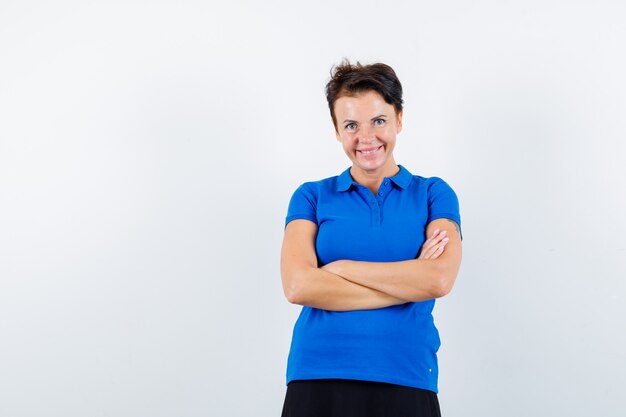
(369, 152)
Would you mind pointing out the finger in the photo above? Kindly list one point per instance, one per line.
(441, 247)
(435, 239)
(436, 253)
(429, 252)
(430, 245)
(437, 250)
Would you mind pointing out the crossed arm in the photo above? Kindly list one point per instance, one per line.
(352, 285)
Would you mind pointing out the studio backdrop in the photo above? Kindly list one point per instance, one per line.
(148, 151)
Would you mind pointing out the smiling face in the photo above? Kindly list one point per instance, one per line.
(367, 127)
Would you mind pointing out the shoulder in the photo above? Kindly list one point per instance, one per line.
(406, 179)
(436, 188)
(314, 188)
(442, 200)
(325, 185)
(312, 191)
(304, 201)
(428, 184)
(440, 197)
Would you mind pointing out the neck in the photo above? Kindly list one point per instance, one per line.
(373, 179)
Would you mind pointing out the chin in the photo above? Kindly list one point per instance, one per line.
(370, 166)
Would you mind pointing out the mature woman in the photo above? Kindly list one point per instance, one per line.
(366, 253)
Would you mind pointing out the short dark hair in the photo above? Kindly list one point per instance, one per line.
(347, 79)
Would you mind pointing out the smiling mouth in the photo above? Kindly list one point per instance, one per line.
(369, 151)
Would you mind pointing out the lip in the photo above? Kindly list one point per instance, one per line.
(369, 151)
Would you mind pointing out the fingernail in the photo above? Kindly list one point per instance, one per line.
(445, 240)
(443, 232)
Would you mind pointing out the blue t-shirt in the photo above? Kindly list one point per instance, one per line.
(396, 344)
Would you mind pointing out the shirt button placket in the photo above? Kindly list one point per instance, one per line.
(379, 199)
(376, 213)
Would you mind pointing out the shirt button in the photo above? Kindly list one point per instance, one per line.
(386, 182)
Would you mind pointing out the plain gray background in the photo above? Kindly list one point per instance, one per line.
(148, 150)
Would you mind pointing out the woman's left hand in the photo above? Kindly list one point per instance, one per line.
(433, 247)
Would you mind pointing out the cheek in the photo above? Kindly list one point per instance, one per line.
(347, 142)
(390, 136)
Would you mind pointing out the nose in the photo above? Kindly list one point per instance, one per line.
(366, 134)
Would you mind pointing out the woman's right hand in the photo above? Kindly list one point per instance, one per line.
(433, 247)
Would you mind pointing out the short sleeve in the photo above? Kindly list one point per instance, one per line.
(442, 201)
(303, 204)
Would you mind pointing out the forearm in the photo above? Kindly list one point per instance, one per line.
(317, 288)
(413, 280)
(430, 276)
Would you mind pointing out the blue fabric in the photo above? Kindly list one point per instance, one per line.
(396, 344)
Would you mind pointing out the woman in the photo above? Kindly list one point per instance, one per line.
(357, 258)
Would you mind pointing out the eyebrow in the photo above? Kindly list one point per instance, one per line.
(373, 118)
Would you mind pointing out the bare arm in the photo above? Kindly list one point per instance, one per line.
(306, 284)
(412, 280)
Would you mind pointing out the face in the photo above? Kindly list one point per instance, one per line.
(367, 127)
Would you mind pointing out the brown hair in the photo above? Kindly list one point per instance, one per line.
(348, 80)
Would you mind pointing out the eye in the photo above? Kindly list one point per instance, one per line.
(350, 126)
(379, 122)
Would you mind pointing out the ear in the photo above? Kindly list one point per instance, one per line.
(399, 122)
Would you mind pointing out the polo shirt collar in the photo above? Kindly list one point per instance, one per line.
(402, 179)
(344, 182)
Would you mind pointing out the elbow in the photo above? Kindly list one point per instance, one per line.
(291, 293)
(293, 289)
(292, 296)
(442, 288)
(442, 282)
